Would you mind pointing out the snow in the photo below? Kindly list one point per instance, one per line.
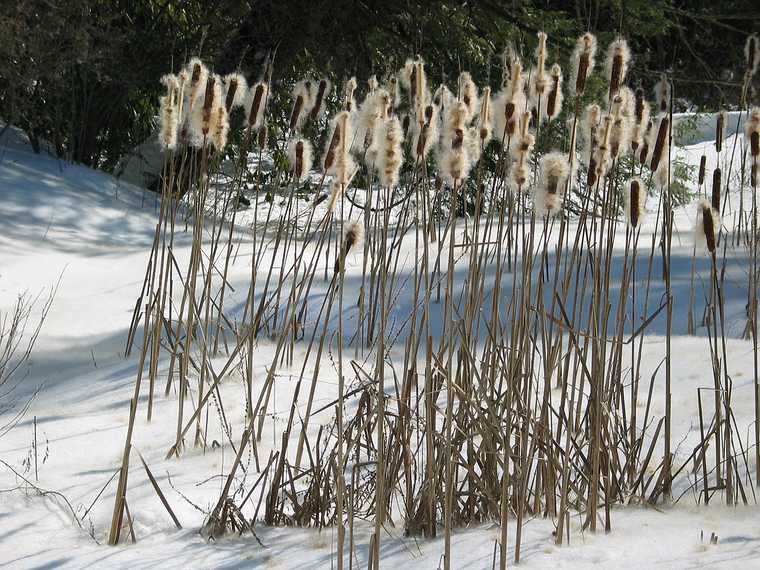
(93, 233)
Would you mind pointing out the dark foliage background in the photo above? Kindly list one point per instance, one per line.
(84, 74)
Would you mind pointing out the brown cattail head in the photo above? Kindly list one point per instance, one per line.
(753, 175)
(636, 202)
(707, 221)
(348, 95)
(236, 91)
(618, 58)
(468, 93)
(295, 115)
(255, 104)
(702, 169)
(555, 170)
(323, 90)
(660, 144)
(300, 157)
(715, 201)
(353, 236)
(719, 128)
(583, 61)
(554, 99)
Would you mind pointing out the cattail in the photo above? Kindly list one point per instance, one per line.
(752, 132)
(620, 131)
(353, 236)
(524, 146)
(484, 119)
(643, 153)
(372, 83)
(662, 94)
(554, 99)
(719, 126)
(349, 104)
(707, 220)
(538, 80)
(374, 108)
(509, 103)
(640, 119)
(753, 175)
(583, 61)
(420, 91)
(388, 151)
(300, 157)
(302, 104)
(323, 90)
(424, 136)
(169, 112)
(204, 116)
(660, 147)
(752, 55)
(198, 78)
(220, 127)
(338, 162)
(392, 87)
(715, 198)
(635, 203)
(618, 59)
(468, 93)
(263, 136)
(589, 127)
(702, 169)
(336, 193)
(454, 160)
(601, 158)
(555, 170)
(236, 90)
(254, 105)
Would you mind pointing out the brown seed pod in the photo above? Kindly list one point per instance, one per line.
(334, 141)
(231, 94)
(263, 137)
(208, 99)
(580, 81)
(639, 105)
(754, 143)
(644, 152)
(319, 99)
(296, 114)
(617, 69)
(715, 199)
(551, 101)
(299, 160)
(702, 168)
(708, 227)
(591, 172)
(634, 207)
(258, 96)
(719, 132)
(659, 145)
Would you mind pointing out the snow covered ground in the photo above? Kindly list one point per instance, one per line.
(61, 221)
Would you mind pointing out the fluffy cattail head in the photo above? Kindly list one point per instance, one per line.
(235, 91)
(484, 119)
(538, 81)
(338, 161)
(583, 61)
(640, 119)
(254, 104)
(204, 114)
(424, 136)
(322, 91)
(752, 132)
(220, 127)
(169, 112)
(468, 93)
(508, 106)
(353, 236)
(555, 170)
(707, 224)
(388, 151)
(662, 94)
(616, 64)
(198, 74)
(263, 137)
(554, 98)
(300, 157)
(635, 205)
(349, 104)
(302, 104)
(620, 131)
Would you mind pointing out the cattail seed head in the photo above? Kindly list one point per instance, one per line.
(508, 105)
(349, 104)
(484, 118)
(300, 155)
(338, 161)
(716, 185)
(263, 137)
(719, 130)
(616, 64)
(235, 91)
(702, 169)
(752, 132)
(353, 236)
(707, 222)
(583, 61)
(220, 127)
(468, 93)
(424, 136)
(640, 119)
(662, 94)
(635, 202)
(554, 99)
(660, 147)
(204, 117)
(169, 112)
(323, 90)
(254, 105)
(387, 142)
(547, 195)
(302, 104)
(198, 74)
